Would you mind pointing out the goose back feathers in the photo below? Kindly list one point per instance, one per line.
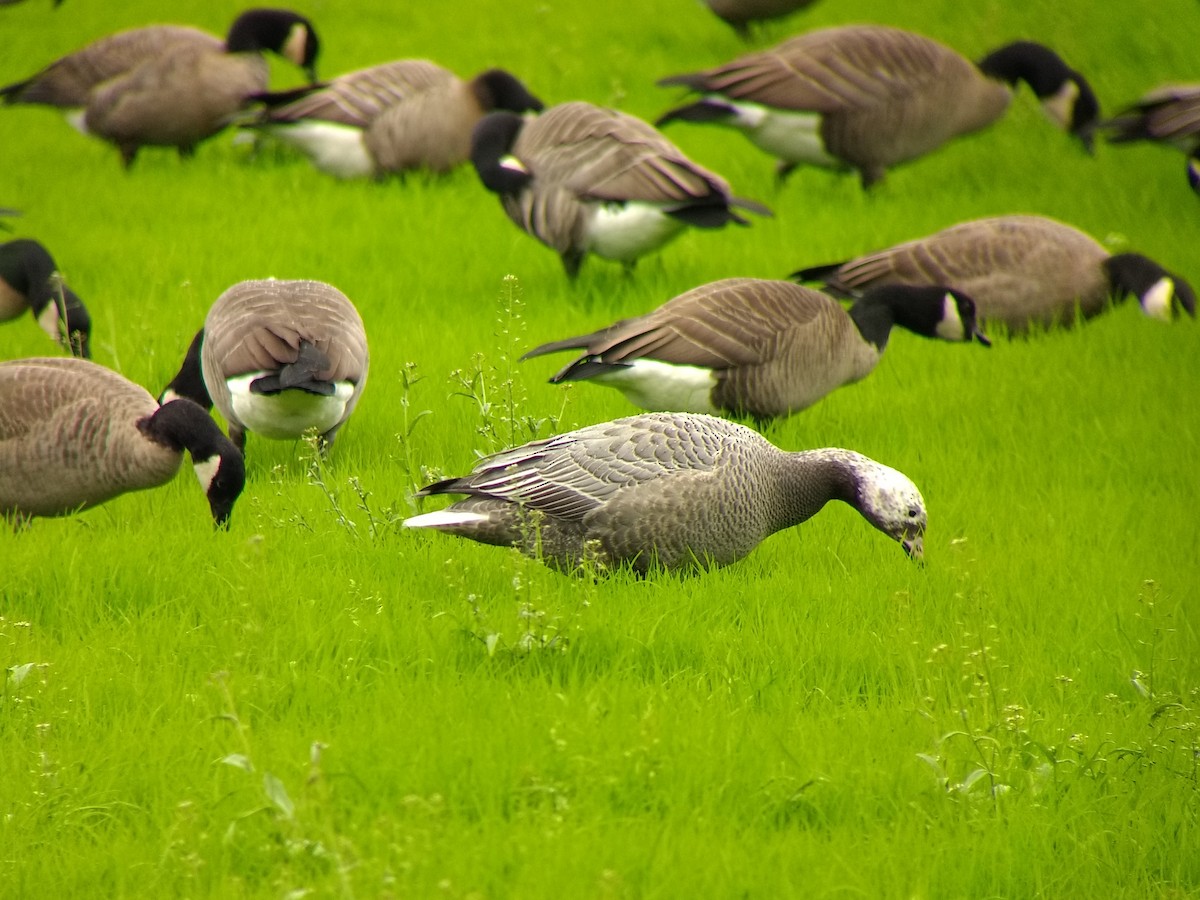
(74, 434)
(1168, 115)
(642, 492)
(29, 280)
(868, 97)
(583, 179)
(408, 114)
(748, 346)
(1022, 271)
(278, 358)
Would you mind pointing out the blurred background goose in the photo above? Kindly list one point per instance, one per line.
(584, 179)
(408, 114)
(867, 97)
(645, 491)
(1022, 271)
(741, 14)
(1166, 115)
(749, 346)
(30, 280)
(277, 358)
(74, 434)
(169, 85)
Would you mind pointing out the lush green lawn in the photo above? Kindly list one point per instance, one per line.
(319, 702)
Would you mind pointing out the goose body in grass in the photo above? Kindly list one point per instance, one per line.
(278, 358)
(1025, 272)
(584, 179)
(1168, 115)
(74, 434)
(30, 280)
(183, 87)
(664, 490)
(757, 347)
(408, 114)
(868, 97)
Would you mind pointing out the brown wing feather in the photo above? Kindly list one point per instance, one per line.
(356, 98)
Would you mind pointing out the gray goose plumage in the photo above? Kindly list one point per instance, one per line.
(643, 491)
(749, 346)
(408, 114)
(277, 358)
(1022, 271)
(741, 14)
(584, 179)
(1167, 115)
(74, 434)
(868, 97)
(191, 90)
(30, 280)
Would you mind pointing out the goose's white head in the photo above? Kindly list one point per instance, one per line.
(890, 501)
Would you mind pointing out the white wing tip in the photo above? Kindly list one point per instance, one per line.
(445, 518)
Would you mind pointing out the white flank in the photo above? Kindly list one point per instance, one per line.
(664, 387)
(444, 518)
(791, 136)
(951, 328)
(1156, 302)
(206, 470)
(336, 149)
(626, 231)
(287, 414)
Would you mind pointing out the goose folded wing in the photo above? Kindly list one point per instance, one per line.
(356, 98)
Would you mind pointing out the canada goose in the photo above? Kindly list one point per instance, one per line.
(739, 14)
(169, 85)
(409, 114)
(74, 434)
(1166, 115)
(867, 97)
(29, 280)
(583, 179)
(748, 346)
(277, 358)
(1023, 271)
(671, 490)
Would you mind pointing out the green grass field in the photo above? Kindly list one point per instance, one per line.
(317, 703)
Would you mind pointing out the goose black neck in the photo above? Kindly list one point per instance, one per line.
(491, 141)
(873, 317)
(1035, 64)
(189, 380)
(498, 89)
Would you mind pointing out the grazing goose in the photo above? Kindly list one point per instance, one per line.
(583, 179)
(409, 114)
(671, 490)
(277, 358)
(74, 434)
(867, 97)
(739, 14)
(1167, 115)
(748, 346)
(29, 280)
(1022, 271)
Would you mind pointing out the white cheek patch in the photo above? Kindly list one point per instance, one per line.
(206, 471)
(512, 164)
(49, 319)
(951, 327)
(77, 119)
(1060, 106)
(295, 45)
(1156, 302)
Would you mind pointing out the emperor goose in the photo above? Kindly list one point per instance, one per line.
(583, 179)
(669, 490)
(740, 14)
(748, 346)
(867, 97)
(1167, 115)
(277, 358)
(74, 434)
(166, 85)
(29, 280)
(1022, 271)
(409, 114)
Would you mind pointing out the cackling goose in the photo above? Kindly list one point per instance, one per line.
(409, 114)
(29, 280)
(669, 490)
(1167, 115)
(584, 179)
(867, 97)
(74, 434)
(1022, 271)
(748, 346)
(277, 358)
